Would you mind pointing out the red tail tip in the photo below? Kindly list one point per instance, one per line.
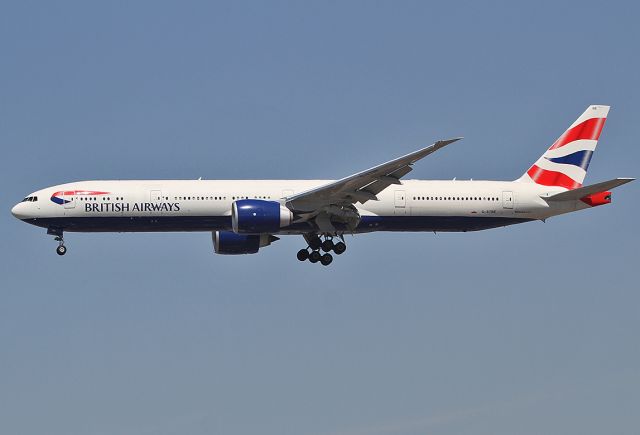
(596, 199)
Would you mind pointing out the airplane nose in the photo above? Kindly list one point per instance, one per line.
(18, 211)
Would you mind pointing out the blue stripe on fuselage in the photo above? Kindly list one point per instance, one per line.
(223, 223)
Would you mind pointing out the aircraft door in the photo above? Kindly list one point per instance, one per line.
(400, 203)
(507, 200)
(69, 200)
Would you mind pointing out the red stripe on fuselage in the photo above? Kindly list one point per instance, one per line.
(78, 192)
(589, 129)
(552, 178)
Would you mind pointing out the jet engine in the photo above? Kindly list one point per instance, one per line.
(229, 243)
(255, 216)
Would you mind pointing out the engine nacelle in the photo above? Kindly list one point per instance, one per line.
(229, 243)
(255, 216)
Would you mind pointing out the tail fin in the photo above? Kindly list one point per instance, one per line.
(565, 163)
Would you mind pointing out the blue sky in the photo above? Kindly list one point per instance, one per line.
(529, 329)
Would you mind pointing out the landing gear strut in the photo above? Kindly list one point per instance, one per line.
(61, 249)
(313, 254)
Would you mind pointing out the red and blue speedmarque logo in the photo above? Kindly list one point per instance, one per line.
(61, 196)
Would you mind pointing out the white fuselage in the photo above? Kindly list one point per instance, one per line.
(203, 205)
(246, 215)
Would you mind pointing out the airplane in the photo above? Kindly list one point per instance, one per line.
(246, 215)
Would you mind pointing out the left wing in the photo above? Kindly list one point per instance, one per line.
(360, 187)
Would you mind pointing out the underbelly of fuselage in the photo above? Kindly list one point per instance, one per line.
(223, 223)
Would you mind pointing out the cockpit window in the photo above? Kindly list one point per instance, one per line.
(35, 198)
(30, 199)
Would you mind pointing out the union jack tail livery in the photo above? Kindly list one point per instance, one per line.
(566, 162)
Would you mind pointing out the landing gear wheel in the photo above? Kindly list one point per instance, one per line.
(61, 250)
(327, 245)
(339, 248)
(326, 259)
(315, 243)
(302, 255)
(314, 256)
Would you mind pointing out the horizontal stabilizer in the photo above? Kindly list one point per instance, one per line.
(581, 192)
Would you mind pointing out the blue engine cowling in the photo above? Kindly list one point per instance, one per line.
(229, 243)
(255, 216)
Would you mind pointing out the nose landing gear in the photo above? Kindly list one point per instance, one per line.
(61, 249)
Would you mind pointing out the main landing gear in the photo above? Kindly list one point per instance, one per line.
(61, 249)
(313, 254)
